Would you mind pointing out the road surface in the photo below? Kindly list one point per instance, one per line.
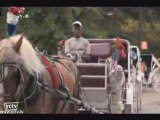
(150, 102)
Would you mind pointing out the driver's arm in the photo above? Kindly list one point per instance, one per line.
(86, 56)
(88, 48)
(67, 47)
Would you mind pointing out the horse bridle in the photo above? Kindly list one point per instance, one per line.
(20, 90)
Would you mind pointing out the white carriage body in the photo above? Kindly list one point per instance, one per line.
(94, 85)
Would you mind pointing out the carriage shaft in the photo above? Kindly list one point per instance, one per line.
(57, 93)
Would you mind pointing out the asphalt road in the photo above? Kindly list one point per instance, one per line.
(150, 102)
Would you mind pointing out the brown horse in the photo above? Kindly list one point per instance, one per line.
(21, 69)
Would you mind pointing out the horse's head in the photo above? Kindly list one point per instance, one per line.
(10, 64)
(18, 63)
(21, 70)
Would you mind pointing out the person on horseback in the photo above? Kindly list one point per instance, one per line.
(13, 15)
(77, 43)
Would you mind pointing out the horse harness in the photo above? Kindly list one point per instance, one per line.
(36, 86)
(20, 93)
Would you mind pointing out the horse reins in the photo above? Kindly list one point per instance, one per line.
(20, 90)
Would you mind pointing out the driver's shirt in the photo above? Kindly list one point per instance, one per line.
(77, 44)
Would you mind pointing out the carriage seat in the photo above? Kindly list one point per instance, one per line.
(100, 51)
(93, 73)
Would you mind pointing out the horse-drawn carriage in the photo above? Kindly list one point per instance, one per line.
(108, 92)
(151, 78)
(32, 80)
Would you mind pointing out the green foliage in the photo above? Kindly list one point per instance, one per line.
(48, 25)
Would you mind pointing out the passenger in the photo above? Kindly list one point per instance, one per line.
(133, 57)
(142, 68)
(118, 53)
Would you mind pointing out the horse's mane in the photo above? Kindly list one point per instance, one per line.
(28, 55)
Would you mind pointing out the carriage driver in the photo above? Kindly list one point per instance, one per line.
(77, 43)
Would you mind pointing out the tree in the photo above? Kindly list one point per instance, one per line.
(48, 25)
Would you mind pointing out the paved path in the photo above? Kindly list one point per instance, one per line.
(150, 102)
